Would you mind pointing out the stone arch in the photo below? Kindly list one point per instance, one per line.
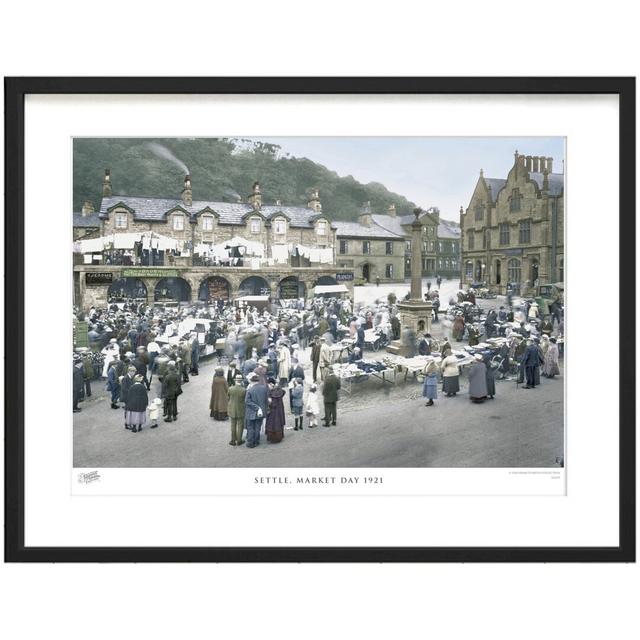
(254, 286)
(291, 288)
(172, 290)
(325, 281)
(214, 288)
(125, 288)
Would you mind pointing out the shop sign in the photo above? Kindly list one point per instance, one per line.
(143, 272)
(93, 278)
(344, 277)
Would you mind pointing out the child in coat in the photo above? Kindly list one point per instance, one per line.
(297, 392)
(313, 407)
(154, 412)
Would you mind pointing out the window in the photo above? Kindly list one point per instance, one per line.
(486, 239)
(468, 270)
(471, 240)
(479, 211)
(366, 247)
(432, 246)
(321, 227)
(389, 248)
(178, 223)
(561, 269)
(504, 233)
(514, 203)
(255, 225)
(280, 226)
(440, 247)
(407, 246)
(121, 221)
(207, 223)
(524, 236)
(514, 272)
(424, 247)
(388, 271)
(344, 246)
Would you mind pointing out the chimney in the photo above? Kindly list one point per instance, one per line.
(528, 163)
(187, 194)
(278, 202)
(314, 202)
(87, 208)
(106, 184)
(255, 199)
(545, 180)
(536, 164)
(550, 165)
(392, 210)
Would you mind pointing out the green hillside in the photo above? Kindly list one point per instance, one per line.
(220, 170)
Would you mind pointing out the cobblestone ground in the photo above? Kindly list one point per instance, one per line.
(379, 425)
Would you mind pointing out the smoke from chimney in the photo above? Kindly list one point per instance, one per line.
(162, 152)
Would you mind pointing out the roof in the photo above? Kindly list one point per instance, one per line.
(357, 230)
(556, 182)
(496, 184)
(90, 221)
(154, 210)
(390, 223)
(448, 229)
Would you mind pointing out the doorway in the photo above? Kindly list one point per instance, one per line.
(366, 272)
(498, 272)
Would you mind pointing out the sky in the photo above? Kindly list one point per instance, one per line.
(440, 172)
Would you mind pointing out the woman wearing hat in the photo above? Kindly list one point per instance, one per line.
(478, 380)
(450, 376)
(274, 427)
(430, 386)
(219, 403)
(550, 367)
(136, 405)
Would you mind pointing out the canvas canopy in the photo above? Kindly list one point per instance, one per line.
(330, 288)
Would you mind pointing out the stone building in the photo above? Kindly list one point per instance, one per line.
(183, 249)
(513, 228)
(440, 241)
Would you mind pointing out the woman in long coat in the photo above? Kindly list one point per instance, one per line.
(550, 367)
(457, 330)
(478, 381)
(450, 376)
(491, 376)
(274, 427)
(430, 386)
(136, 406)
(219, 404)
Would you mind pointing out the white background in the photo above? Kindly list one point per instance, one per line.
(495, 518)
(328, 39)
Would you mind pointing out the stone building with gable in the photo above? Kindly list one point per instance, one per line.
(388, 253)
(184, 250)
(513, 227)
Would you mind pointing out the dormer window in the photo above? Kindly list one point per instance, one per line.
(254, 225)
(207, 223)
(121, 221)
(178, 223)
(321, 227)
(280, 226)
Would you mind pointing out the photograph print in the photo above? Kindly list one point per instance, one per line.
(314, 302)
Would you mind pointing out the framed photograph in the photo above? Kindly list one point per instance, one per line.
(320, 319)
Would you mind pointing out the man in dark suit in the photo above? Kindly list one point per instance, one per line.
(315, 356)
(531, 362)
(171, 390)
(78, 382)
(255, 409)
(330, 395)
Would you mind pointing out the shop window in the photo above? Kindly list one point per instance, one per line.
(514, 270)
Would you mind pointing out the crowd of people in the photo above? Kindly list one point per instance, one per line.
(261, 355)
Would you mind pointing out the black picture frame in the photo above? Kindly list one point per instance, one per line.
(15, 91)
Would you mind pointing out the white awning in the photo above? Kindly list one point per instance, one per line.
(254, 298)
(330, 288)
